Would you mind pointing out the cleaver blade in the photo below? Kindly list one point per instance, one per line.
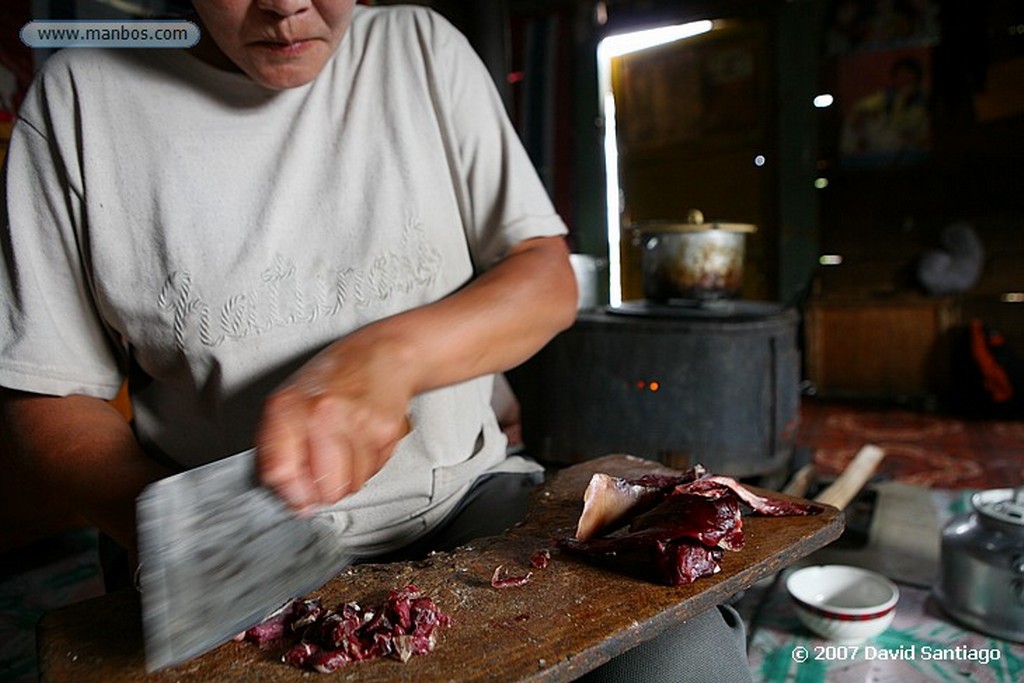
(217, 553)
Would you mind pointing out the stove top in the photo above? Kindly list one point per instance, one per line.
(713, 309)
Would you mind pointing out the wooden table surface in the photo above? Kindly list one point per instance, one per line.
(570, 618)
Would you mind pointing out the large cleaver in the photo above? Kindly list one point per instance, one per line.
(217, 553)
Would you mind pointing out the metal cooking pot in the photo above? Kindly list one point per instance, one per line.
(981, 581)
(692, 259)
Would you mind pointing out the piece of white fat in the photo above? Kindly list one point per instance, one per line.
(606, 500)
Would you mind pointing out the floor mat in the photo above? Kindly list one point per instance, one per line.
(925, 449)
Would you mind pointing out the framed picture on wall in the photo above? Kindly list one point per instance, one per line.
(884, 99)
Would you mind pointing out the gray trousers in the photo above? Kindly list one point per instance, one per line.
(709, 648)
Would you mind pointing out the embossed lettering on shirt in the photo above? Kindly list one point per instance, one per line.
(282, 297)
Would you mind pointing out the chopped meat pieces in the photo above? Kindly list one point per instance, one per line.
(500, 580)
(281, 622)
(540, 559)
(327, 662)
(300, 654)
(678, 527)
(403, 626)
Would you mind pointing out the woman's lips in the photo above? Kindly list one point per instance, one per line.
(285, 48)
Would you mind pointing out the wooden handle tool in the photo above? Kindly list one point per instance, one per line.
(852, 479)
(802, 481)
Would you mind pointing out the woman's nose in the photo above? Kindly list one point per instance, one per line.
(284, 8)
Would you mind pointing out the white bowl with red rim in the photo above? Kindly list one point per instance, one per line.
(843, 603)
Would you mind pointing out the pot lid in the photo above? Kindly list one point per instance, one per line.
(694, 223)
(1003, 505)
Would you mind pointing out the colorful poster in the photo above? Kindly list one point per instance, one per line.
(884, 97)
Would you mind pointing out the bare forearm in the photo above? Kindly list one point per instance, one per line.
(496, 322)
(83, 449)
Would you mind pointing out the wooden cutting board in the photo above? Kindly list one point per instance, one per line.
(568, 619)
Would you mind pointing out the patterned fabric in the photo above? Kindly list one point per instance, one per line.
(922, 644)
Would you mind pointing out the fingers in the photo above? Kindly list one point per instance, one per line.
(279, 438)
(314, 450)
(332, 456)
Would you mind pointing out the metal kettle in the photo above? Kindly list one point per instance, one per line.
(981, 579)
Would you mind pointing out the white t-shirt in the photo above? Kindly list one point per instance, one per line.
(189, 229)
